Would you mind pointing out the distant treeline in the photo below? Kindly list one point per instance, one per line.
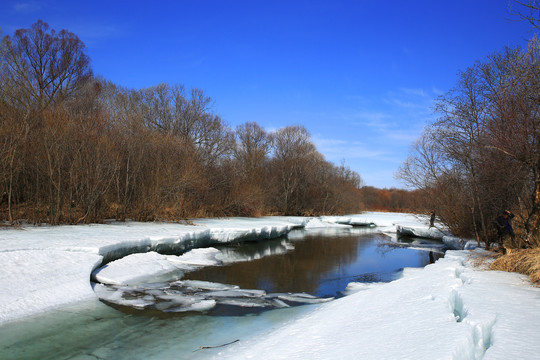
(395, 200)
(482, 155)
(76, 148)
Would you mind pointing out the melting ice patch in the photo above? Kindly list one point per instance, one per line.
(199, 296)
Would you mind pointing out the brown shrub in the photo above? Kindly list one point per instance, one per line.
(524, 261)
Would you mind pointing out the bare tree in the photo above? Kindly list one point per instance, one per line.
(528, 11)
(44, 65)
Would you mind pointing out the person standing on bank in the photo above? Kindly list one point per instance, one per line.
(504, 227)
(432, 217)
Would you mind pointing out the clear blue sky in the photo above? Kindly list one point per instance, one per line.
(361, 75)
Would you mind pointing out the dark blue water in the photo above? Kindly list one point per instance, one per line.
(320, 264)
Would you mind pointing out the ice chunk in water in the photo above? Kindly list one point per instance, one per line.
(244, 302)
(181, 299)
(201, 306)
(279, 303)
(303, 299)
(236, 293)
(117, 296)
(300, 295)
(204, 285)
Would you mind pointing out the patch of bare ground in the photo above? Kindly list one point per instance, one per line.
(524, 261)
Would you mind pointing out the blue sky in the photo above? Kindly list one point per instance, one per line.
(361, 75)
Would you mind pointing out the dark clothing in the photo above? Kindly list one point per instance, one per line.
(504, 226)
(432, 219)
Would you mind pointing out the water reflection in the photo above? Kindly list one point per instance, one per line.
(320, 265)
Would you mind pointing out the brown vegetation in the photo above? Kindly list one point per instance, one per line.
(395, 200)
(75, 148)
(524, 261)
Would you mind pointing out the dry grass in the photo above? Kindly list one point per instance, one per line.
(524, 261)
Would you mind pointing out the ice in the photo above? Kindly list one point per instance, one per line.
(243, 229)
(197, 258)
(204, 285)
(279, 303)
(302, 299)
(420, 231)
(472, 244)
(315, 223)
(453, 242)
(302, 295)
(243, 302)
(456, 243)
(389, 222)
(200, 306)
(237, 293)
(118, 297)
(134, 269)
(184, 295)
(180, 299)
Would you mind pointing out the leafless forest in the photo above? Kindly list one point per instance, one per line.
(75, 148)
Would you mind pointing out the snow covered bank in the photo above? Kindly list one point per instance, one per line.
(448, 310)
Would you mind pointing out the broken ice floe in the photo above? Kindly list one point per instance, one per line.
(198, 296)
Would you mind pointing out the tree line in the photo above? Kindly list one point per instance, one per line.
(482, 155)
(76, 148)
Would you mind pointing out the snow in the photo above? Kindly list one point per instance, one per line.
(448, 310)
(316, 223)
(134, 269)
(34, 281)
(420, 231)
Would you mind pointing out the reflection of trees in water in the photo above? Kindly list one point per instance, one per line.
(301, 270)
